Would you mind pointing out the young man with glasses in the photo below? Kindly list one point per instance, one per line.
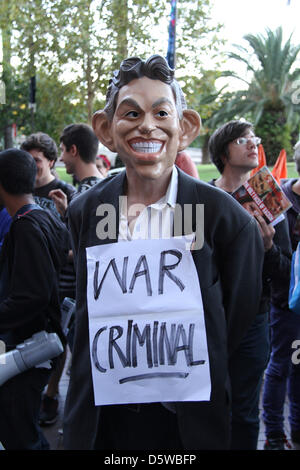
(233, 149)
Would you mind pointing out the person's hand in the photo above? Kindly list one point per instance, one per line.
(267, 232)
(252, 208)
(60, 200)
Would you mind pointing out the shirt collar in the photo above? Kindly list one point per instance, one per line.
(171, 195)
(25, 209)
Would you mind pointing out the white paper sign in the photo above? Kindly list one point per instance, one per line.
(146, 323)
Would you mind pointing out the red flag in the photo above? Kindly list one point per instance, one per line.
(280, 169)
(261, 159)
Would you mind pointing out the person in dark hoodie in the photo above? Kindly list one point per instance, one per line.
(282, 375)
(44, 151)
(33, 252)
(233, 148)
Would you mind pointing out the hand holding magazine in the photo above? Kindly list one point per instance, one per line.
(262, 195)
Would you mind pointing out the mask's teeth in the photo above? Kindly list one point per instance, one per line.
(146, 147)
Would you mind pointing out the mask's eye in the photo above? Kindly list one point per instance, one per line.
(162, 113)
(132, 114)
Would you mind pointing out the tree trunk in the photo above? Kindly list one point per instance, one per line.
(119, 9)
(90, 91)
(8, 137)
(205, 153)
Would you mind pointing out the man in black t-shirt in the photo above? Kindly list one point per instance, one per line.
(79, 148)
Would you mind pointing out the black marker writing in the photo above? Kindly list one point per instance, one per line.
(160, 346)
(155, 375)
(141, 269)
(121, 281)
(165, 269)
(113, 345)
(154, 340)
(94, 350)
(145, 336)
(138, 273)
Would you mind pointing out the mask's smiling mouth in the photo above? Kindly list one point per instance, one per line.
(143, 146)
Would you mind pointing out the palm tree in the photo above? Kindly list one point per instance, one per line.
(268, 99)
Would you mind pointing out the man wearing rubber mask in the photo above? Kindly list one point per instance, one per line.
(207, 294)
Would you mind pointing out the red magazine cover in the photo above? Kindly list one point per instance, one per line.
(262, 195)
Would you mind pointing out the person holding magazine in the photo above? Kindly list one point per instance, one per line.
(234, 150)
(265, 196)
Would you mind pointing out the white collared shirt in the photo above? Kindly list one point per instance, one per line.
(154, 221)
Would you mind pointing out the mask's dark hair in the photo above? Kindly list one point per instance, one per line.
(17, 171)
(85, 140)
(156, 68)
(218, 142)
(42, 142)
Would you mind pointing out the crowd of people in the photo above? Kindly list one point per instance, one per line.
(213, 329)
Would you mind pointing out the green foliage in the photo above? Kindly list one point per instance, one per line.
(268, 99)
(196, 36)
(32, 29)
(72, 46)
(15, 109)
(275, 134)
(57, 104)
(52, 115)
(200, 92)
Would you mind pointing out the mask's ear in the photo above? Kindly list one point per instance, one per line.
(190, 127)
(102, 129)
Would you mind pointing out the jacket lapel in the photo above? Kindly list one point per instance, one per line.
(185, 211)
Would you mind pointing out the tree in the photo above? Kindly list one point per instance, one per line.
(52, 115)
(196, 36)
(268, 98)
(96, 35)
(196, 39)
(28, 37)
(201, 95)
(15, 110)
(72, 47)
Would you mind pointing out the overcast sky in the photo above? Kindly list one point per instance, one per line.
(241, 17)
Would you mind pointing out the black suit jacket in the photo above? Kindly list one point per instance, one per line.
(229, 267)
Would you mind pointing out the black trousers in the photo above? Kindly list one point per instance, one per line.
(20, 401)
(137, 427)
